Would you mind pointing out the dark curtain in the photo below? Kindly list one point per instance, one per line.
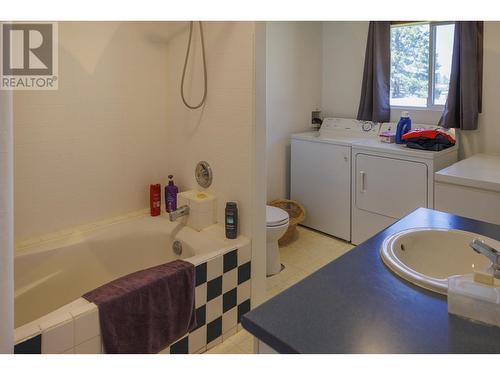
(374, 104)
(464, 101)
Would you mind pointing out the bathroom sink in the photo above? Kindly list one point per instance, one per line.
(428, 256)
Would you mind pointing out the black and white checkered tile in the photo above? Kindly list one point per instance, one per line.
(222, 297)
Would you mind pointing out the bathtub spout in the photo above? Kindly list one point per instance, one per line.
(181, 211)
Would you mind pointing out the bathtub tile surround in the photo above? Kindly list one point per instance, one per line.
(214, 268)
(213, 309)
(92, 346)
(180, 347)
(58, 337)
(200, 295)
(197, 340)
(30, 346)
(86, 323)
(222, 310)
(74, 327)
(230, 261)
(229, 280)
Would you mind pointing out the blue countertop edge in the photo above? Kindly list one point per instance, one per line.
(356, 305)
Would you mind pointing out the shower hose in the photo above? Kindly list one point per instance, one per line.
(195, 106)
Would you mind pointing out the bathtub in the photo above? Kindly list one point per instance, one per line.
(54, 271)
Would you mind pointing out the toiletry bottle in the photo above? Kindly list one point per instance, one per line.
(155, 199)
(231, 220)
(171, 195)
(403, 127)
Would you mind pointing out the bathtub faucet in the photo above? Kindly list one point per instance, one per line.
(492, 254)
(181, 211)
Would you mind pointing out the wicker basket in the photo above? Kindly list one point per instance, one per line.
(296, 212)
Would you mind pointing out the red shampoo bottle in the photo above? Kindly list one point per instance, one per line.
(155, 199)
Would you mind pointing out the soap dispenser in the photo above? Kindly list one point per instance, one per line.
(171, 195)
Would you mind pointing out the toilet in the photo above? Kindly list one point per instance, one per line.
(276, 226)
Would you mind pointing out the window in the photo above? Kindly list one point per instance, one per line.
(421, 56)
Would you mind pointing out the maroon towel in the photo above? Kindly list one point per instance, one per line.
(146, 311)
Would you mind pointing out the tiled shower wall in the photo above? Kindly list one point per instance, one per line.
(222, 294)
(93, 146)
(117, 123)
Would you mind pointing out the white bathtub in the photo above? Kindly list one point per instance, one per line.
(52, 273)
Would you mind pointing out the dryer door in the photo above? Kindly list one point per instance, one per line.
(389, 187)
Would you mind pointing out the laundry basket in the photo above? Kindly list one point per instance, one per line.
(296, 212)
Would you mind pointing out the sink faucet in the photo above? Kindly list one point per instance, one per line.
(480, 247)
(181, 211)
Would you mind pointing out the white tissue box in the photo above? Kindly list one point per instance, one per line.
(474, 300)
(202, 208)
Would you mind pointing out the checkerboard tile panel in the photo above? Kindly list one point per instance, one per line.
(222, 296)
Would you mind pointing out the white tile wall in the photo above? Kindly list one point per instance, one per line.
(91, 346)
(244, 291)
(86, 324)
(198, 339)
(114, 108)
(60, 338)
(222, 132)
(229, 320)
(214, 268)
(244, 254)
(27, 331)
(214, 309)
(200, 295)
(229, 280)
(109, 111)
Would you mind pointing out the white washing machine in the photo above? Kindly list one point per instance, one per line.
(389, 181)
(320, 175)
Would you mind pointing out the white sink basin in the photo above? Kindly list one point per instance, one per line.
(428, 256)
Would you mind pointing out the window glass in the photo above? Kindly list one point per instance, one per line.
(442, 62)
(410, 65)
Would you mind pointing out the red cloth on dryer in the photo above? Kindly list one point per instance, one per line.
(428, 139)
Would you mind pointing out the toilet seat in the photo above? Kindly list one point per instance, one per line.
(276, 217)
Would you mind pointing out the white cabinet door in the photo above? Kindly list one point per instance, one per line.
(467, 201)
(321, 182)
(389, 187)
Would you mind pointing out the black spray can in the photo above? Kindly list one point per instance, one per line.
(231, 220)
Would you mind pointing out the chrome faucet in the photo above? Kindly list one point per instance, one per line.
(181, 211)
(481, 247)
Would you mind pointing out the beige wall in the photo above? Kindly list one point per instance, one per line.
(89, 150)
(487, 138)
(293, 91)
(344, 46)
(6, 225)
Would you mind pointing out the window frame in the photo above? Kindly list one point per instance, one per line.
(430, 106)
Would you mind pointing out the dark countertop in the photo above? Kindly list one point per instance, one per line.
(356, 305)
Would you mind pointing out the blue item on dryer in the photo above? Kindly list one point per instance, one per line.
(403, 127)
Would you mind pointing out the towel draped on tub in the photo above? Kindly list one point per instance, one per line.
(146, 311)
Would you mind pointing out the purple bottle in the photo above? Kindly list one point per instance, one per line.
(171, 195)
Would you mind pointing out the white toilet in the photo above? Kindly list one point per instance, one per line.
(276, 225)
